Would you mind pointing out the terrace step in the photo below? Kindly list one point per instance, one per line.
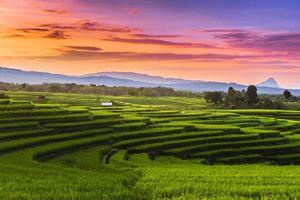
(16, 107)
(270, 150)
(49, 118)
(84, 125)
(15, 145)
(153, 132)
(162, 147)
(129, 126)
(290, 158)
(34, 112)
(54, 150)
(242, 159)
(187, 152)
(15, 135)
(168, 137)
(4, 128)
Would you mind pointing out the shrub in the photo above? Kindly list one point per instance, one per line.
(277, 104)
(264, 102)
(214, 97)
(42, 98)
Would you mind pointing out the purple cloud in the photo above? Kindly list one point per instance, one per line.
(274, 42)
(220, 31)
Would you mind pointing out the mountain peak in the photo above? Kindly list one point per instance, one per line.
(270, 82)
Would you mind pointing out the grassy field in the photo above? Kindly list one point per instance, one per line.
(69, 147)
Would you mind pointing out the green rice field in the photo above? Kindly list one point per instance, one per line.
(67, 146)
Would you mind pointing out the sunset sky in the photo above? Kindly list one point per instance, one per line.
(244, 41)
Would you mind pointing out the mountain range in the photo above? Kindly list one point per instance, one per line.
(130, 79)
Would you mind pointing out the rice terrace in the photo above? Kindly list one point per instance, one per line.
(69, 147)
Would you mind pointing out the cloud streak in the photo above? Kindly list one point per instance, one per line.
(31, 30)
(55, 11)
(80, 26)
(95, 26)
(161, 42)
(287, 43)
(84, 48)
(155, 36)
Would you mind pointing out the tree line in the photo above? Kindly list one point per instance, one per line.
(96, 89)
(247, 98)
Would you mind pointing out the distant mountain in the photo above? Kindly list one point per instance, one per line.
(270, 82)
(139, 77)
(32, 77)
(130, 79)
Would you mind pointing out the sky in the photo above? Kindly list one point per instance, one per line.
(243, 41)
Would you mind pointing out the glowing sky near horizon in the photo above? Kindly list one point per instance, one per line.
(233, 41)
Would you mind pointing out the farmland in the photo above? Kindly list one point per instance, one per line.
(66, 146)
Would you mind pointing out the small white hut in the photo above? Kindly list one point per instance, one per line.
(106, 104)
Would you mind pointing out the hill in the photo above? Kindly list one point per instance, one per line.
(129, 79)
(140, 77)
(32, 77)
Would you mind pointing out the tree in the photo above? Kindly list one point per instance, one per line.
(287, 94)
(251, 95)
(231, 99)
(231, 92)
(214, 97)
(24, 85)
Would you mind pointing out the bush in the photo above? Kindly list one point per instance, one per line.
(214, 97)
(42, 98)
(264, 102)
(277, 104)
